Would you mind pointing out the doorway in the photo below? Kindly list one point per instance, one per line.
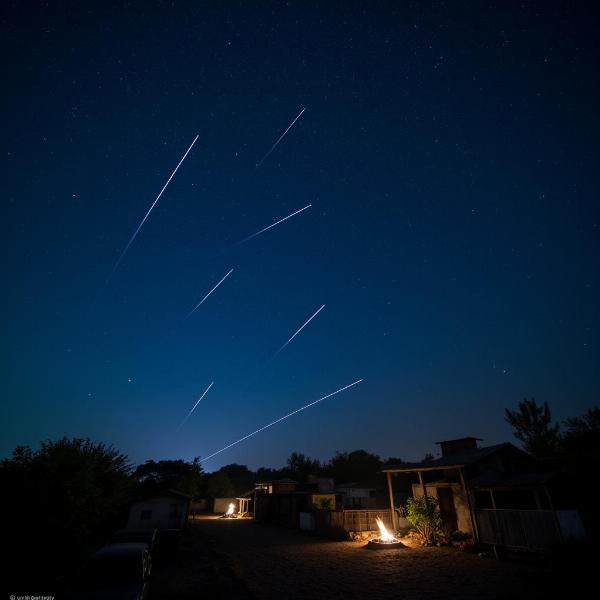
(447, 509)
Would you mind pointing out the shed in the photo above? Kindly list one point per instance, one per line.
(165, 510)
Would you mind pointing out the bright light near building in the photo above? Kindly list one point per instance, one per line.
(385, 536)
(231, 509)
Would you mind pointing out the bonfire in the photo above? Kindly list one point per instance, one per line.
(230, 514)
(386, 539)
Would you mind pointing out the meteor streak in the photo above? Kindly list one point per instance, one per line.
(301, 328)
(273, 224)
(283, 418)
(209, 293)
(280, 138)
(148, 213)
(194, 407)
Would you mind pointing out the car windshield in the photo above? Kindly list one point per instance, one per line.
(111, 572)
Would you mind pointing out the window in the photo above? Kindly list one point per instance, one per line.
(145, 515)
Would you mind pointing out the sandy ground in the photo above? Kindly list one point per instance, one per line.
(241, 559)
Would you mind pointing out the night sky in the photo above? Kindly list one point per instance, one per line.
(450, 155)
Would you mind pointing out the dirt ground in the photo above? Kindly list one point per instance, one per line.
(237, 559)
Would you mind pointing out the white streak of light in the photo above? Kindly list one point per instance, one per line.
(280, 138)
(148, 213)
(282, 419)
(209, 293)
(301, 328)
(273, 224)
(194, 407)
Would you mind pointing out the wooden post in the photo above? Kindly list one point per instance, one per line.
(468, 496)
(556, 521)
(391, 493)
(422, 483)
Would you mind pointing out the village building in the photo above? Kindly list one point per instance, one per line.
(354, 495)
(497, 494)
(283, 500)
(166, 510)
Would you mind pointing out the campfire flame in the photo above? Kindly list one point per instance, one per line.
(231, 509)
(385, 535)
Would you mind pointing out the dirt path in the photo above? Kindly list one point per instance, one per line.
(241, 559)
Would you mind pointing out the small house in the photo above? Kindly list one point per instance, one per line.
(166, 510)
(498, 494)
(283, 500)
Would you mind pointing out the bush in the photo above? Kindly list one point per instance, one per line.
(423, 514)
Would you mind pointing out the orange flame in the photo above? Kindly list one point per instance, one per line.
(385, 535)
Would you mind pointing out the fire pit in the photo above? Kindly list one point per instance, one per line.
(230, 514)
(385, 540)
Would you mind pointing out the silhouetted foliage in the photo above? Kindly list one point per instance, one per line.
(300, 466)
(157, 476)
(532, 425)
(220, 486)
(240, 477)
(589, 422)
(63, 497)
(358, 466)
(582, 436)
(268, 474)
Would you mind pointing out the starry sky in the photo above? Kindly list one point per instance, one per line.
(449, 153)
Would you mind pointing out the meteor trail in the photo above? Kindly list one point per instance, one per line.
(280, 138)
(209, 293)
(273, 224)
(301, 328)
(148, 214)
(194, 408)
(283, 418)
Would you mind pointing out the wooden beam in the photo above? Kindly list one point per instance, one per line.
(422, 483)
(391, 493)
(556, 521)
(468, 496)
(417, 469)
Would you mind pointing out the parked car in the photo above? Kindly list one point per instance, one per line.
(115, 572)
(136, 536)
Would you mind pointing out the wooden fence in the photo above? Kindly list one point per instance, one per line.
(364, 520)
(530, 529)
(337, 523)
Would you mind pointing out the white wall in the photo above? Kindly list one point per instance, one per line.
(166, 512)
(461, 506)
(222, 504)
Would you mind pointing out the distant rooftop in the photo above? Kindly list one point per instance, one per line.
(458, 459)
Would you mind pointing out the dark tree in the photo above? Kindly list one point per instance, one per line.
(300, 466)
(532, 425)
(157, 476)
(241, 478)
(268, 474)
(428, 457)
(220, 486)
(357, 466)
(65, 497)
(589, 422)
(582, 435)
